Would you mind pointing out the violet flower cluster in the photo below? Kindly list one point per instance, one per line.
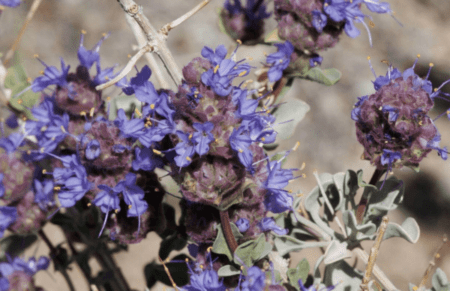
(394, 125)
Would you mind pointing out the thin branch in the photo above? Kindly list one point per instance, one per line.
(374, 253)
(168, 272)
(155, 39)
(127, 69)
(171, 25)
(28, 18)
(322, 191)
(141, 40)
(432, 264)
(53, 253)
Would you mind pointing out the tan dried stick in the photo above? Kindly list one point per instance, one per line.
(374, 253)
(127, 69)
(141, 40)
(171, 25)
(16, 43)
(168, 273)
(432, 263)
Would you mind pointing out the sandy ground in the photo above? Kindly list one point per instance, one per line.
(327, 136)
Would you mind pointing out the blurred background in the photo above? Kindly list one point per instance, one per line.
(327, 134)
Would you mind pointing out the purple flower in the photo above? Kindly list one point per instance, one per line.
(278, 178)
(319, 20)
(214, 57)
(254, 281)
(133, 195)
(253, 11)
(8, 216)
(133, 128)
(278, 201)
(107, 199)
(51, 77)
(88, 57)
(145, 160)
(4, 284)
(375, 6)
(314, 61)
(161, 106)
(203, 137)
(240, 142)
(185, 149)
(92, 150)
(268, 224)
(243, 224)
(30, 268)
(207, 280)
(43, 193)
(11, 121)
(156, 132)
(279, 61)
(141, 87)
(2, 187)
(12, 142)
(10, 3)
(392, 111)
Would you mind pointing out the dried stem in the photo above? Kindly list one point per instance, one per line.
(364, 199)
(127, 69)
(28, 18)
(155, 39)
(228, 233)
(171, 25)
(322, 191)
(432, 264)
(374, 253)
(141, 40)
(53, 254)
(168, 273)
(377, 272)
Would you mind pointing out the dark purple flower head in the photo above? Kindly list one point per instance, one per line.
(30, 267)
(17, 176)
(279, 61)
(7, 217)
(244, 23)
(393, 123)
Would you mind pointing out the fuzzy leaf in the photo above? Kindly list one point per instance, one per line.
(251, 251)
(409, 230)
(297, 273)
(335, 252)
(228, 270)
(327, 77)
(286, 244)
(439, 281)
(220, 245)
(295, 110)
(342, 276)
(355, 232)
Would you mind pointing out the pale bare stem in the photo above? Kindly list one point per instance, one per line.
(158, 40)
(374, 253)
(377, 272)
(28, 18)
(432, 264)
(171, 25)
(141, 39)
(322, 191)
(5, 93)
(127, 69)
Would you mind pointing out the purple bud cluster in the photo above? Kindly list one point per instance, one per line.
(245, 23)
(394, 125)
(315, 25)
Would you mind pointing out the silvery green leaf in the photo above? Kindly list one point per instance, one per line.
(317, 275)
(272, 37)
(409, 230)
(127, 103)
(286, 244)
(294, 110)
(228, 270)
(299, 272)
(220, 245)
(439, 281)
(327, 77)
(342, 276)
(357, 232)
(251, 251)
(336, 251)
(384, 200)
